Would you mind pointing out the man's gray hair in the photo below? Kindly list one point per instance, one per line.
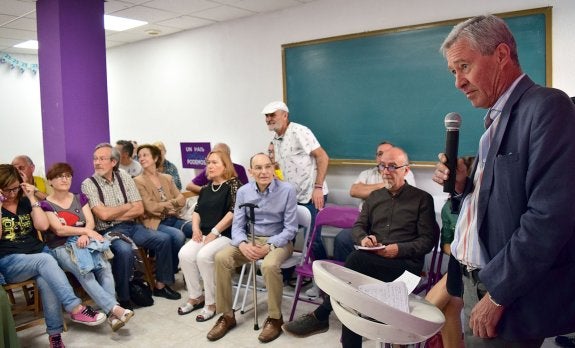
(484, 34)
(115, 153)
(25, 158)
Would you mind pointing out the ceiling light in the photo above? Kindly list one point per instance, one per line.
(153, 32)
(30, 44)
(120, 24)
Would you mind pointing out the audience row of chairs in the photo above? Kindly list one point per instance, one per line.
(332, 215)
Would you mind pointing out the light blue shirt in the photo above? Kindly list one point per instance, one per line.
(275, 217)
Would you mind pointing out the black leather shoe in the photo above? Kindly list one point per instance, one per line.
(168, 293)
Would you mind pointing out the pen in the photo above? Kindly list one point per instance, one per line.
(373, 239)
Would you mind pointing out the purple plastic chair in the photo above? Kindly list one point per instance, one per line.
(434, 274)
(330, 215)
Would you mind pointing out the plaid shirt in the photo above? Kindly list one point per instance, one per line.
(113, 196)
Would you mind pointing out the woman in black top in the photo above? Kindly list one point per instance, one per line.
(211, 225)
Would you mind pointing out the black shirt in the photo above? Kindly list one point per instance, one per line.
(214, 202)
(18, 233)
(406, 218)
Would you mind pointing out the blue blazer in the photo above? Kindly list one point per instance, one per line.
(526, 213)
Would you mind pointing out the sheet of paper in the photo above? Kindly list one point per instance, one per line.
(359, 247)
(411, 280)
(393, 294)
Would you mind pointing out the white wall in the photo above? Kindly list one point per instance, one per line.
(20, 116)
(210, 84)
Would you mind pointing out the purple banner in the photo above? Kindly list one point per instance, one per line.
(194, 154)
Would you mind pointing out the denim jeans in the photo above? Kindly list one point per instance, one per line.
(123, 261)
(317, 247)
(55, 290)
(177, 229)
(99, 283)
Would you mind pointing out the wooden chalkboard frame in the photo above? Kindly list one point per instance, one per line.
(472, 117)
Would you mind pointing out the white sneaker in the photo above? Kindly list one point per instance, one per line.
(312, 292)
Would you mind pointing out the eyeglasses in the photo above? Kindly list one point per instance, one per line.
(390, 168)
(66, 176)
(12, 191)
(101, 159)
(265, 167)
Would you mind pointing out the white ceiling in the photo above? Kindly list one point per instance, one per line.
(18, 17)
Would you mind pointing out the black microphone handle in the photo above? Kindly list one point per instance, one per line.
(451, 146)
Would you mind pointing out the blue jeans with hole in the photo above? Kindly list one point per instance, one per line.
(55, 290)
(99, 283)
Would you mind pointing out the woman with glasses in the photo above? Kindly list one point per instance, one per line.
(78, 248)
(22, 256)
(162, 200)
(211, 222)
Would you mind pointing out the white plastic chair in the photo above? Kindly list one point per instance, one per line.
(304, 222)
(370, 317)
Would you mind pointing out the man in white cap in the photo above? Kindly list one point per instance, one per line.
(303, 162)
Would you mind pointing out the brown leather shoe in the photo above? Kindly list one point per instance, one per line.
(272, 330)
(223, 325)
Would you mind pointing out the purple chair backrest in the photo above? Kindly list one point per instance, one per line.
(337, 216)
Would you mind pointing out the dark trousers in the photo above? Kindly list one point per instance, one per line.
(123, 261)
(377, 267)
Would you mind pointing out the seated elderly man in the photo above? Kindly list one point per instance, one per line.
(399, 216)
(26, 167)
(274, 228)
(368, 181)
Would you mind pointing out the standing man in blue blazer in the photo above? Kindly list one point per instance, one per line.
(515, 235)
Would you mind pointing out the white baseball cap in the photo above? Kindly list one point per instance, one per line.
(275, 106)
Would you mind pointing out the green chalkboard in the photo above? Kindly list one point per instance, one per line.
(354, 91)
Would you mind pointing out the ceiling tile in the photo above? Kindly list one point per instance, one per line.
(227, 2)
(186, 22)
(223, 13)
(17, 8)
(182, 6)
(113, 6)
(17, 34)
(22, 23)
(147, 14)
(261, 6)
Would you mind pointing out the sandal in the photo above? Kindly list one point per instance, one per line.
(189, 308)
(205, 315)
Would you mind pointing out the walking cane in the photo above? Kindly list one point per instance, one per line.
(251, 222)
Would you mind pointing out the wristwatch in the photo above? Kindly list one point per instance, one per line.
(215, 232)
(272, 246)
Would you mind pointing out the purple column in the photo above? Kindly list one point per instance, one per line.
(73, 89)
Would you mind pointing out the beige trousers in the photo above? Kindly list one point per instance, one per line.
(228, 259)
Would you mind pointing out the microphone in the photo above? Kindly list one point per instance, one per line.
(452, 123)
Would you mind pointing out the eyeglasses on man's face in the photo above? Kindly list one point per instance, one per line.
(101, 159)
(390, 168)
(261, 168)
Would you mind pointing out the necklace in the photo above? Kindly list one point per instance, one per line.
(219, 187)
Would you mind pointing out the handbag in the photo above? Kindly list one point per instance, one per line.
(140, 293)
